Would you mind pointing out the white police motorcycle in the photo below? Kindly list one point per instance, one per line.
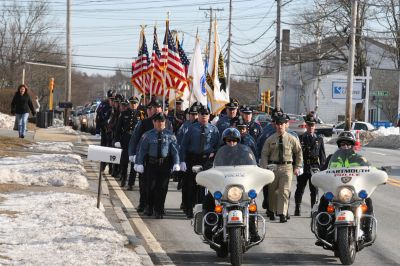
(344, 226)
(234, 181)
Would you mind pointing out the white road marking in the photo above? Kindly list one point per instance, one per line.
(378, 153)
(151, 241)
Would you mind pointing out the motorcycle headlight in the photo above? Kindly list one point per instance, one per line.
(84, 120)
(235, 193)
(345, 194)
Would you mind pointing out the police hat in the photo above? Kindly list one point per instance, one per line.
(179, 101)
(125, 102)
(232, 104)
(158, 117)
(310, 119)
(280, 119)
(155, 103)
(118, 98)
(194, 110)
(246, 109)
(133, 99)
(238, 122)
(203, 110)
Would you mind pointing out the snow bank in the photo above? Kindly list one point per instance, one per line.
(44, 170)
(387, 131)
(58, 229)
(7, 121)
(65, 147)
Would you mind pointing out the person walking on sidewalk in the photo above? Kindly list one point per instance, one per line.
(313, 157)
(20, 106)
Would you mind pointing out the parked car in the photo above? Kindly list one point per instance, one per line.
(91, 118)
(297, 124)
(84, 119)
(323, 128)
(262, 119)
(357, 125)
(75, 117)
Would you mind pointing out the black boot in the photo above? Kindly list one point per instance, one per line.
(297, 210)
(282, 218)
(271, 215)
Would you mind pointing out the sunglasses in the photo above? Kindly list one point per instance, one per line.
(345, 144)
(231, 140)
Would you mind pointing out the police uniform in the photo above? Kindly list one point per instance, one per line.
(112, 128)
(255, 130)
(313, 157)
(125, 128)
(160, 151)
(198, 146)
(225, 121)
(103, 114)
(281, 150)
(245, 137)
(177, 117)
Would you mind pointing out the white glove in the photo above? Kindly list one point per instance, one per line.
(183, 166)
(299, 171)
(97, 136)
(176, 168)
(139, 168)
(132, 158)
(117, 144)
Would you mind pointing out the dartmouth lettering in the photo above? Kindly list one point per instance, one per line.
(347, 171)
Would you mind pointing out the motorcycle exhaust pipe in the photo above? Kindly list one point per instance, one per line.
(211, 218)
(324, 219)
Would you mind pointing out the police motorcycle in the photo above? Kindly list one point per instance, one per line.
(345, 226)
(234, 181)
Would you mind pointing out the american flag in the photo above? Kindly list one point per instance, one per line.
(155, 68)
(140, 78)
(170, 59)
(179, 84)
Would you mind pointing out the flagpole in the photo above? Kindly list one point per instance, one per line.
(165, 65)
(152, 71)
(141, 69)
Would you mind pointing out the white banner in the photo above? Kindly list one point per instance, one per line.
(339, 89)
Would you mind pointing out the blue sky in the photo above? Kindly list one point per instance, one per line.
(110, 28)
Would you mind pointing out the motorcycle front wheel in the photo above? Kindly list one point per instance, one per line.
(236, 245)
(346, 245)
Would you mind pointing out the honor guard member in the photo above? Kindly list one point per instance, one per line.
(177, 115)
(142, 127)
(231, 112)
(102, 116)
(245, 137)
(159, 149)
(112, 127)
(127, 121)
(254, 128)
(280, 149)
(198, 147)
(193, 115)
(313, 157)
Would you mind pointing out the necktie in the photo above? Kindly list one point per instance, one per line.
(159, 142)
(280, 150)
(202, 139)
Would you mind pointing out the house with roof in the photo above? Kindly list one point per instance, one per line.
(304, 77)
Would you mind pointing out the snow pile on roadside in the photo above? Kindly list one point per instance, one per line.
(387, 131)
(44, 170)
(58, 122)
(65, 147)
(58, 229)
(7, 121)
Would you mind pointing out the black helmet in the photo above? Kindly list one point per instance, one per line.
(346, 136)
(231, 133)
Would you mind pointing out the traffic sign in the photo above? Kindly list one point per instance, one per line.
(380, 93)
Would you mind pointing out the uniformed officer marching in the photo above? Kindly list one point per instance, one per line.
(313, 157)
(198, 147)
(254, 129)
(245, 137)
(177, 115)
(125, 127)
(103, 113)
(280, 149)
(112, 127)
(159, 149)
(231, 112)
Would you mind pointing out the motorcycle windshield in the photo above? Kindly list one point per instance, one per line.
(234, 155)
(347, 158)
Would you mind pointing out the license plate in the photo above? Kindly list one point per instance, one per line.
(235, 217)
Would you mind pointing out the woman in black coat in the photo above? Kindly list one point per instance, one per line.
(20, 106)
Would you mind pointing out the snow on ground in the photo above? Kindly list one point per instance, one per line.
(44, 170)
(386, 138)
(7, 121)
(65, 147)
(58, 229)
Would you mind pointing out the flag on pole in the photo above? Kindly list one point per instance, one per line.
(218, 93)
(196, 76)
(140, 69)
(155, 71)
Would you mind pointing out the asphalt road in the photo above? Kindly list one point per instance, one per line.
(291, 243)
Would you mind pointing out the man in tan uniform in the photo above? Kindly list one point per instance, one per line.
(280, 149)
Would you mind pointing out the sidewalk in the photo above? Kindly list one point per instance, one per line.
(114, 214)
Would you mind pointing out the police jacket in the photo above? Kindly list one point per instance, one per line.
(127, 122)
(102, 115)
(313, 150)
(157, 144)
(223, 123)
(191, 142)
(249, 141)
(255, 130)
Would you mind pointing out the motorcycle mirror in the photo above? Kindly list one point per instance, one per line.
(387, 169)
(197, 168)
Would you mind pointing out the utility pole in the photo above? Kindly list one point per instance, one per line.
(319, 56)
(228, 65)
(68, 63)
(210, 9)
(350, 71)
(398, 70)
(278, 56)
